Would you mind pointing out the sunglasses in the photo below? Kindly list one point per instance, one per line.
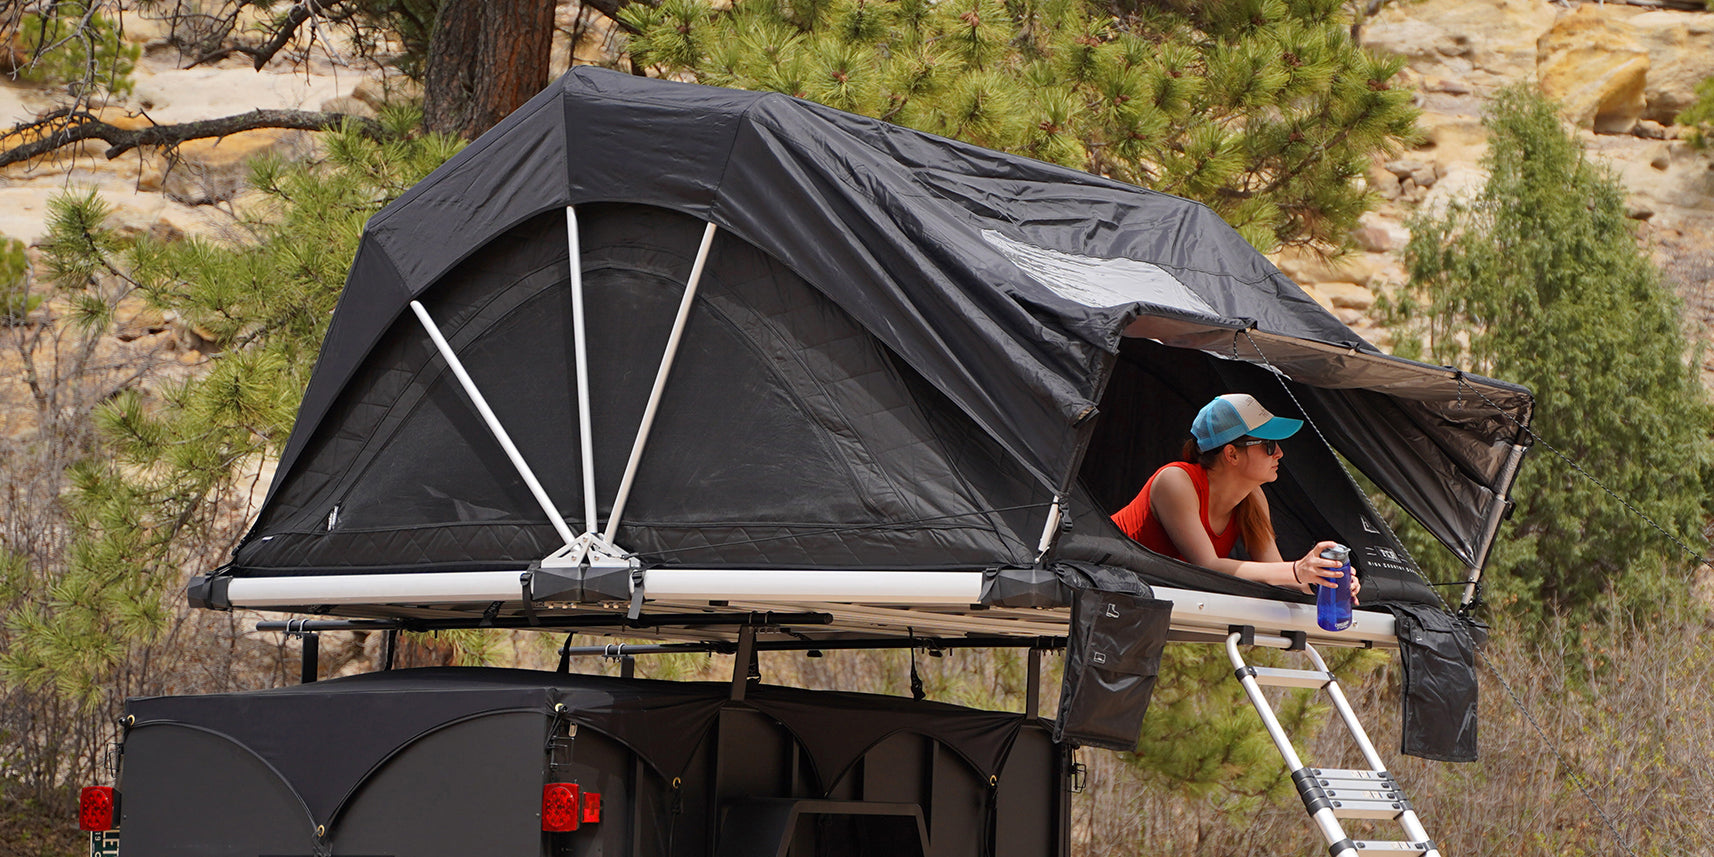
(1268, 446)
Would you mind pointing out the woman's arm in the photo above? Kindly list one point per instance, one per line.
(1174, 500)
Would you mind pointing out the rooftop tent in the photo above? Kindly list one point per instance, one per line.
(903, 354)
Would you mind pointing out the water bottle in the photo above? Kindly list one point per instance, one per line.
(1333, 603)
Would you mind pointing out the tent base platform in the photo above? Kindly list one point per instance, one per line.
(712, 605)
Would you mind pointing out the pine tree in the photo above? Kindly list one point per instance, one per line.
(1265, 110)
(165, 486)
(1540, 280)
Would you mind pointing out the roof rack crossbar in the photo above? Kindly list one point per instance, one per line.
(615, 620)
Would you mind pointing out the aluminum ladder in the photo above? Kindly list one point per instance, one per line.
(1332, 794)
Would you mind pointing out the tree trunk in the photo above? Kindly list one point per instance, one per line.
(485, 59)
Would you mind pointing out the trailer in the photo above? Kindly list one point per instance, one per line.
(732, 370)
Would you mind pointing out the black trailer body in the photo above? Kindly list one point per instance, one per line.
(453, 761)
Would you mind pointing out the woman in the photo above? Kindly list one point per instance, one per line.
(1199, 508)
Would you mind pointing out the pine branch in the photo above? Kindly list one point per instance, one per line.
(300, 12)
(80, 125)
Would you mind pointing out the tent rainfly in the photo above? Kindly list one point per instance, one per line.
(650, 349)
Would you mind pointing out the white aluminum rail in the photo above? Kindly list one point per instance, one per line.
(1199, 612)
(494, 426)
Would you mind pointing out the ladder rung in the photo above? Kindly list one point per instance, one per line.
(1329, 776)
(1347, 808)
(1369, 846)
(1364, 794)
(1290, 678)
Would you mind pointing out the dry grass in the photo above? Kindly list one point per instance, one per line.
(1618, 766)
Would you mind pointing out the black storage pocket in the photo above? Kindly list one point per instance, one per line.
(1438, 651)
(1112, 660)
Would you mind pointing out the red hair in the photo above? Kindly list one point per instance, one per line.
(1254, 527)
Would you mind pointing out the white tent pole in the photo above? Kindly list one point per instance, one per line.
(660, 383)
(493, 422)
(585, 437)
(1050, 529)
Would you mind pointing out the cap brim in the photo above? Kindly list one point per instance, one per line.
(1278, 428)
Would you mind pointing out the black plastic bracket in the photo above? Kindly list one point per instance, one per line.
(529, 603)
(555, 584)
(606, 583)
(1246, 634)
(1309, 788)
(1341, 847)
(741, 664)
(1032, 685)
(312, 656)
(208, 592)
(1298, 639)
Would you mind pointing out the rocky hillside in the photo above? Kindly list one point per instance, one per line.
(1624, 72)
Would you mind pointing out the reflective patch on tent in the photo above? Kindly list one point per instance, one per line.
(1097, 282)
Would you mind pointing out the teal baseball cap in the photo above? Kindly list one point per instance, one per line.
(1236, 415)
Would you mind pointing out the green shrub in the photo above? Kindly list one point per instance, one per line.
(1541, 280)
(1699, 117)
(62, 47)
(16, 301)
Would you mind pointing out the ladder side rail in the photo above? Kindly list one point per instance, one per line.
(493, 422)
(1408, 818)
(1323, 817)
(1343, 706)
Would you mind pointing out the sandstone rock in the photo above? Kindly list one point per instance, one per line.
(1422, 174)
(1384, 183)
(376, 92)
(1412, 38)
(1499, 35)
(1680, 46)
(1347, 295)
(210, 171)
(1454, 138)
(349, 106)
(1671, 178)
(1377, 234)
(1307, 267)
(1592, 62)
(1649, 130)
(1315, 294)
(1348, 317)
(133, 318)
(1441, 84)
(1462, 182)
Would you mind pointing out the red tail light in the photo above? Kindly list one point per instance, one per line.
(591, 807)
(98, 808)
(560, 807)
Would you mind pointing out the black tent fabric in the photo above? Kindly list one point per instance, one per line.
(303, 733)
(903, 350)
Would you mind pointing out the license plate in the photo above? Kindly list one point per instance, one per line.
(104, 843)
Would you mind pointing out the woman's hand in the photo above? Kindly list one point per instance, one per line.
(1315, 570)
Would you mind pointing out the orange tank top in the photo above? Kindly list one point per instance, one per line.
(1140, 522)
